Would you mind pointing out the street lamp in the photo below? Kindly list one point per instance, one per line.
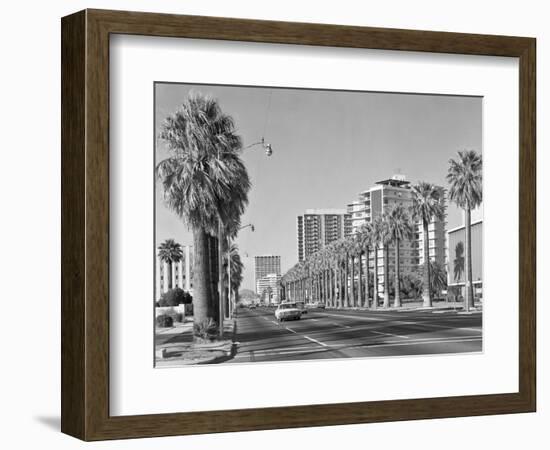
(267, 147)
(268, 151)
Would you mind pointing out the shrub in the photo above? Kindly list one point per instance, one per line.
(165, 321)
(172, 297)
(207, 329)
(180, 317)
(189, 309)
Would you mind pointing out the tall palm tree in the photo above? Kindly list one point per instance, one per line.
(205, 182)
(427, 205)
(331, 265)
(465, 179)
(358, 252)
(366, 234)
(377, 237)
(233, 273)
(350, 244)
(400, 229)
(170, 252)
(385, 240)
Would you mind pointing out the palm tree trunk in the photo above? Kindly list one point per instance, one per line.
(330, 287)
(426, 291)
(386, 276)
(213, 259)
(339, 286)
(367, 277)
(327, 287)
(346, 289)
(221, 288)
(360, 284)
(170, 281)
(375, 279)
(201, 277)
(397, 297)
(469, 294)
(352, 281)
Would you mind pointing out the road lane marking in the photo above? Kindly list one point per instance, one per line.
(433, 325)
(274, 352)
(390, 334)
(339, 325)
(307, 337)
(316, 341)
(354, 317)
(290, 352)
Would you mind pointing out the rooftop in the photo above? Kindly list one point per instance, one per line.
(394, 182)
(326, 211)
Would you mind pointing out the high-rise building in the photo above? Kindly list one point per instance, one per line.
(317, 228)
(182, 273)
(266, 265)
(377, 200)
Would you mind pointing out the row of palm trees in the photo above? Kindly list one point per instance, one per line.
(205, 182)
(329, 275)
(343, 273)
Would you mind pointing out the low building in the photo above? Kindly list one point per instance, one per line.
(456, 263)
(269, 288)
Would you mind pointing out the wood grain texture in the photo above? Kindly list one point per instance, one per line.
(73, 271)
(85, 224)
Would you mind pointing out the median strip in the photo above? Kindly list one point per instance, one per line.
(391, 334)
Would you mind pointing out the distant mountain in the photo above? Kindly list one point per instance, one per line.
(247, 295)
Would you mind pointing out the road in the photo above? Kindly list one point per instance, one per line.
(322, 334)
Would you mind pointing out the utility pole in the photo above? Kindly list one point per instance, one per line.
(220, 277)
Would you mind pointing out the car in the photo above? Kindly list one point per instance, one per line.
(315, 305)
(302, 307)
(252, 306)
(288, 311)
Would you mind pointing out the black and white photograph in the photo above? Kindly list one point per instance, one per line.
(298, 224)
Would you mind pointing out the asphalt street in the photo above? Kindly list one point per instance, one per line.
(322, 334)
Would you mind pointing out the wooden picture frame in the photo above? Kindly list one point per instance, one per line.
(85, 224)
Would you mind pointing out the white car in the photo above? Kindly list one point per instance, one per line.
(286, 311)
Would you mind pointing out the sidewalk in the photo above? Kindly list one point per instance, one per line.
(418, 306)
(175, 347)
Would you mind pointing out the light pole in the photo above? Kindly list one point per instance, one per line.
(230, 302)
(268, 151)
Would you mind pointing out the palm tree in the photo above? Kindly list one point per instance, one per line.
(350, 271)
(331, 265)
(366, 235)
(170, 252)
(438, 276)
(427, 205)
(233, 273)
(358, 252)
(400, 228)
(204, 182)
(458, 262)
(377, 237)
(465, 179)
(385, 240)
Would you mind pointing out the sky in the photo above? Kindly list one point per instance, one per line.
(327, 147)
